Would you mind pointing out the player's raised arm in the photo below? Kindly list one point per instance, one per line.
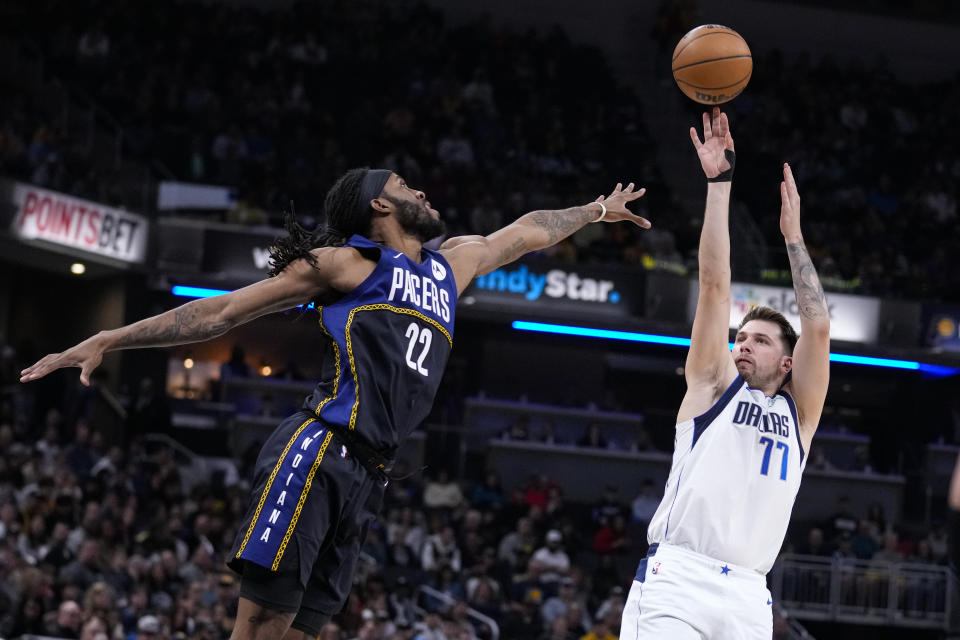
(811, 357)
(472, 256)
(207, 318)
(709, 365)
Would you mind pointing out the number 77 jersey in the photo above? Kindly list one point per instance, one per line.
(735, 475)
(390, 339)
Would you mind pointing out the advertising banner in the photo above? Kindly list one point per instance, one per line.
(547, 288)
(238, 253)
(943, 327)
(852, 318)
(46, 215)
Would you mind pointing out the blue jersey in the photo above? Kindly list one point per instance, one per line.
(390, 339)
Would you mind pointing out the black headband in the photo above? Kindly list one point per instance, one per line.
(371, 187)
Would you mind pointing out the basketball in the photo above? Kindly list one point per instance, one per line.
(712, 64)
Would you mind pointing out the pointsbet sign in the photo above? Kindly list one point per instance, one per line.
(71, 222)
(852, 318)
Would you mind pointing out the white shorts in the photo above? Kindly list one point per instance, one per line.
(683, 595)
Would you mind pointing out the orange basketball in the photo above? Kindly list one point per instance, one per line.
(712, 64)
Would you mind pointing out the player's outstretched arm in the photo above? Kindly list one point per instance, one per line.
(811, 357)
(207, 318)
(472, 256)
(709, 365)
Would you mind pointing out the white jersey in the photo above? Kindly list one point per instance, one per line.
(735, 475)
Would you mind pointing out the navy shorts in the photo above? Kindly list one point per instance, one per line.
(311, 506)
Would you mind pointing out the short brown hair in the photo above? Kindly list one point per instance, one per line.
(770, 315)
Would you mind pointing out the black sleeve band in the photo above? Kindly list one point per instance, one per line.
(726, 176)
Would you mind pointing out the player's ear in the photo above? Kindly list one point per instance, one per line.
(786, 364)
(381, 206)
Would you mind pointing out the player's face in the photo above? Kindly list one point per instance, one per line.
(758, 352)
(413, 210)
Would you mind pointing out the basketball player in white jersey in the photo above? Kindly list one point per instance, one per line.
(743, 433)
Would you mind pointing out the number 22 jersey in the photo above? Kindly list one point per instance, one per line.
(390, 339)
(735, 475)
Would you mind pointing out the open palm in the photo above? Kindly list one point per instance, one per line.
(716, 142)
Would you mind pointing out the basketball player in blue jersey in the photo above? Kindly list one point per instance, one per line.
(743, 431)
(387, 305)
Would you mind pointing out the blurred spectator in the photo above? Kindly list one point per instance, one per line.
(609, 505)
(818, 459)
(600, 630)
(442, 492)
(523, 619)
(612, 606)
(521, 542)
(593, 437)
(86, 569)
(843, 520)
(548, 433)
(489, 494)
(519, 429)
(814, 545)
(939, 542)
(440, 551)
(401, 601)
(29, 617)
(890, 551)
(67, 623)
(537, 491)
(94, 629)
(552, 558)
(612, 538)
(556, 606)
(863, 544)
(645, 504)
(149, 628)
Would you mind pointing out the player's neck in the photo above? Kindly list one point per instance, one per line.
(395, 238)
(768, 387)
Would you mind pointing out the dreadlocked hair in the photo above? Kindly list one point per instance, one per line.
(343, 220)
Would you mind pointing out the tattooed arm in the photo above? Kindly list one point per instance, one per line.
(810, 375)
(472, 256)
(300, 282)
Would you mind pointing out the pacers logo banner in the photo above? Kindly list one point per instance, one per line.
(943, 327)
(81, 224)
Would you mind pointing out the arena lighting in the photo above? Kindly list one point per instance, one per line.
(196, 292)
(609, 334)
(200, 292)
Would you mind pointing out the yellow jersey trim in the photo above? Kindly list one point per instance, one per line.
(303, 498)
(336, 354)
(266, 489)
(353, 366)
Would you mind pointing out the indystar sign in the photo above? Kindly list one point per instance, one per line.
(555, 289)
(555, 283)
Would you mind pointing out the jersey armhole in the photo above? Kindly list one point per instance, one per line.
(371, 252)
(702, 421)
(796, 421)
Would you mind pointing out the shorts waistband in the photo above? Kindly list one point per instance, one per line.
(665, 550)
(376, 464)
